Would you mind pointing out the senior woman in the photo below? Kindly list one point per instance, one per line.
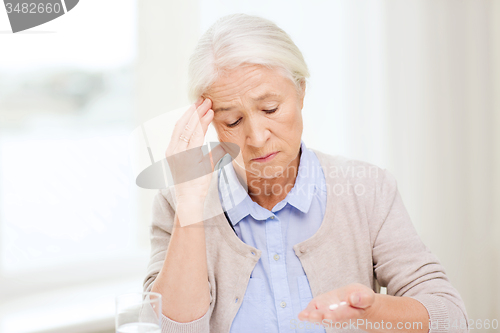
(282, 237)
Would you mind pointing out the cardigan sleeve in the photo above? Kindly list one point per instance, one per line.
(405, 265)
(160, 233)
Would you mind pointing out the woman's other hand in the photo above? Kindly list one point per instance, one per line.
(353, 302)
(191, 170)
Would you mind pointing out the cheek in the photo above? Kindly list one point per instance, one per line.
(291, 119)
(288, 126)
(224, 133)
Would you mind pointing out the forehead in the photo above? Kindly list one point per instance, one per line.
(254, 82)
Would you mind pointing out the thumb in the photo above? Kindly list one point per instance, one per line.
(216, 154)
(359, 300)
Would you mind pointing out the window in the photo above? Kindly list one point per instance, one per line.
(68, 203)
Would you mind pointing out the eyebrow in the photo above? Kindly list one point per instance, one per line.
(257, 99)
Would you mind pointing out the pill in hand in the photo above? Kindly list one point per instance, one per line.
(334, 306)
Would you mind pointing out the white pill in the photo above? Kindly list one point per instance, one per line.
(334, 306)
(343, 303)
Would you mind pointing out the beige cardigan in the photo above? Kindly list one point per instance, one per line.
(366, 237)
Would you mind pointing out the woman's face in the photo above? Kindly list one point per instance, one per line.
(259, 110)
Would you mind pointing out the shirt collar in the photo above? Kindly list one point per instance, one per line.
(238, 204)
(305, 185)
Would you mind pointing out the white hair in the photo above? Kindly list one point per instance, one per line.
(241, 39)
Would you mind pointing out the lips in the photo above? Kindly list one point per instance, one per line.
(265, 156)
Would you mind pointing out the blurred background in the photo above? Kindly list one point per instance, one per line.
(411, 86)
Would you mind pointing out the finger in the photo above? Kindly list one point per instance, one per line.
(200, 124)
(184, 119)
(341, 312)
(211, 159)
(187, 114)
(231, 148)
(192, 126)
(199, 101)
(360, 300)
(315, 316)
(216, 154)
(304, 314)
(200, 131)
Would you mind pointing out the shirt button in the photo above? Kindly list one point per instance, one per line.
(282, 304)
(272, 217)
(276, 257)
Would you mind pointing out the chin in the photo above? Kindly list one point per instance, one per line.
(267, 171)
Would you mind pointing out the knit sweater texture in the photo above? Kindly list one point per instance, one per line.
(366, 237)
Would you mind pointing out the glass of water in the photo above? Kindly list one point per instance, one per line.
(138, 313)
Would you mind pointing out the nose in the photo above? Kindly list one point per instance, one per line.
(256, 131)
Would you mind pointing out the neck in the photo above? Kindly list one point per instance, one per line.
(267, 192)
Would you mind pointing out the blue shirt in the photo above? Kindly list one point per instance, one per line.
(278, 288)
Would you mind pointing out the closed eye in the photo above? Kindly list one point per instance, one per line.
(234, 124)
(238, 121)
(271, 111)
